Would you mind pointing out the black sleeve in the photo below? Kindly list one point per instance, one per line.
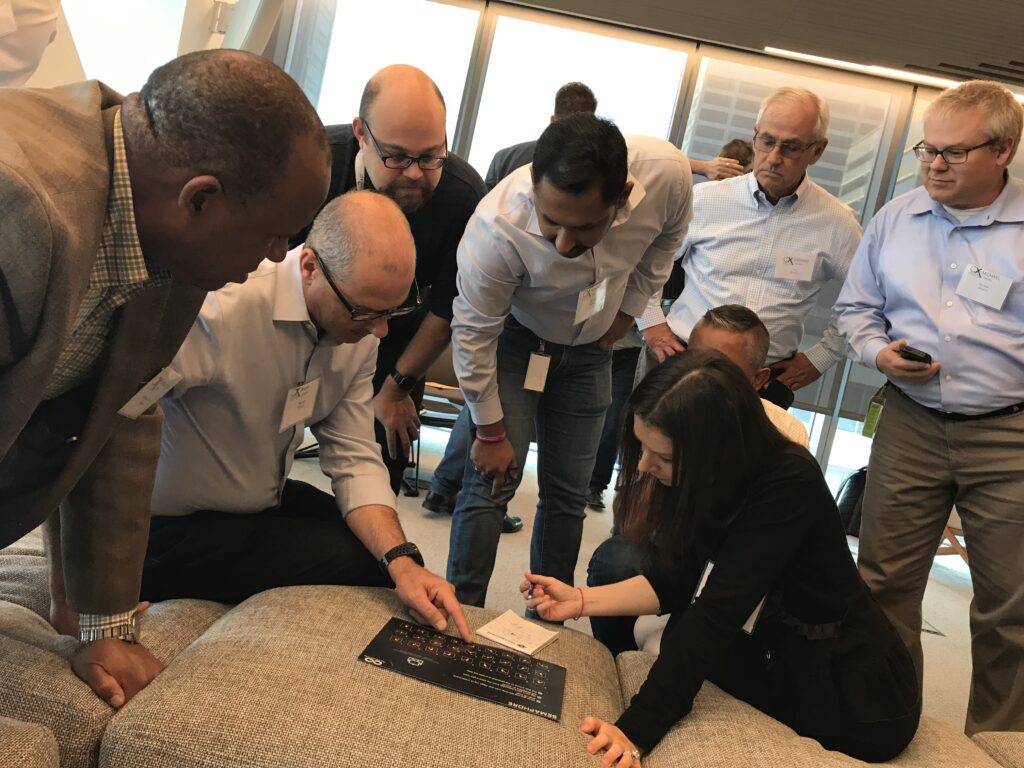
(764, 537)
(343, 156)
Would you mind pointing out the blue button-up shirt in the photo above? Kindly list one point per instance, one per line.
(730, 255)
(902, 285)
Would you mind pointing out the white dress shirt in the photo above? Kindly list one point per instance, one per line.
(507, 266)
(222, 447)
(730, 257)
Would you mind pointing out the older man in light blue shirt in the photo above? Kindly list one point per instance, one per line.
(769, 241)
(942, 268)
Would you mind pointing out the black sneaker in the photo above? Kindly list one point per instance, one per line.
(511, 524)
(595, 499)
(439, 503)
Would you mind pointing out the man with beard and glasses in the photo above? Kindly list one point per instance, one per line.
(397, 145)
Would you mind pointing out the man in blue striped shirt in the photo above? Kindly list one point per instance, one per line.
(942, 268)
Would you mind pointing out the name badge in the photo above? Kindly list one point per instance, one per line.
(984, 286)
(537, 372)
(794, 266)
(299, 404)
(591, 301)
(147, 397)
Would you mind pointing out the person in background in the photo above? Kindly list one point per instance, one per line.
(941, 268)
(740, 335)
(398, 146)
(749, 556)
(27, 27)
(295, 345)
(107, 248)
(554, 264)
(740, 150)
(570, 99)
(769, 240)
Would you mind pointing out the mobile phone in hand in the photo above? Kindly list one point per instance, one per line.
(915, 355)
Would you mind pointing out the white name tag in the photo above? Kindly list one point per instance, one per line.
(299, 404)
(537, 372)
(984, 286)
(794, 266)
(147, 397)
(591, 301)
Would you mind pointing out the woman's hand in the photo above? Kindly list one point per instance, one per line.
(619, 751)
(552, 599)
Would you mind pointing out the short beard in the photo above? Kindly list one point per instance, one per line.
(405, 204)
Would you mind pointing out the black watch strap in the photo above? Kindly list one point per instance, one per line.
(408, 549)
(405, 383)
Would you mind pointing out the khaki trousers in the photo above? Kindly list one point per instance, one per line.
(921, 465)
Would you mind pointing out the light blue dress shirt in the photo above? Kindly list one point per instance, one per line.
(903, 285)
(730, 257)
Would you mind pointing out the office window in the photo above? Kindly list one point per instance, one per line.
(121, 41)
(434, 36)
(729, 93)
(635, 78)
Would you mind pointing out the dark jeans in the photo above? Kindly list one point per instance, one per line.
(228, 557)
(623, 372)
(567, 419)
(615, 560)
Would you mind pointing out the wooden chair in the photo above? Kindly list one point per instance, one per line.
(951, 543)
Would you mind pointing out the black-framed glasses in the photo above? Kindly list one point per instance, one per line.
(951, 155)
(401, 162)
(790, 148)
(362, 314)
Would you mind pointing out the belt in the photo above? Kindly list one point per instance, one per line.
(950, 416)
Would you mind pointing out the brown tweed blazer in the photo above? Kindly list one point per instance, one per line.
(74, 452)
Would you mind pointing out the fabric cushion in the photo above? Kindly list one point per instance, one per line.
(24, 579)
(1006, 747)
(38, 686)
(722, 732)
(277, 682)
(27, 745)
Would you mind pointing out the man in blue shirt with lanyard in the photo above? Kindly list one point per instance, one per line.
(941, 269)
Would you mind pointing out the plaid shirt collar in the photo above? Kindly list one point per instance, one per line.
(120, 261)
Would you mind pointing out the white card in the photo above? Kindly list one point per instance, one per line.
(591, 301)
(299, 404)
(795, 266)
(537, 372)
(984, 286)
(517, 633)
(146, 397)
(751, 622)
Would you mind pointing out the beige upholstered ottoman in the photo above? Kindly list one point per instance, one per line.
(27, 745)
(722, 732)
(1007, 748)
(276, 682)
(38, 686)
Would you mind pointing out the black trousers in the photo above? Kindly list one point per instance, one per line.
(228, 557)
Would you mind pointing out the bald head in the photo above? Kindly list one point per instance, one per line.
(362, 234)
(401, 124)
(404, 88)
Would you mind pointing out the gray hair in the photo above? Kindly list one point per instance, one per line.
(332, 239)
(739, 319)
(1004, 114)
(230, 114)
(801, 97)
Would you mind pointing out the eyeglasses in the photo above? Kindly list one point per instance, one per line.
(952, 155)
(401, 162)
(362, 314)
(766, 143)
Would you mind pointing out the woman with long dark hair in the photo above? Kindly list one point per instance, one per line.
(749, 556)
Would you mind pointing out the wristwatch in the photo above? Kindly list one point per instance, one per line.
(408, 549)
(405, 383)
